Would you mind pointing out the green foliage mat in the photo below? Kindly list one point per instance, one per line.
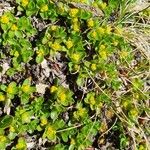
(70, 77)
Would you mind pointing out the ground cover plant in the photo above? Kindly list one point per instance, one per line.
(74, 75)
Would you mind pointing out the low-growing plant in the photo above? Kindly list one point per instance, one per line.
(94, 78)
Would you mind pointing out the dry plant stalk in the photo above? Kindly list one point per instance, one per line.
(95, 11)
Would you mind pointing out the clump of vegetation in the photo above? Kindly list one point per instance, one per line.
(90, 60)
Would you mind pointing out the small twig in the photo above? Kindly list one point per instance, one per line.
(144, 118)
(121, 118)
(136, 87)
(97, 84)
(70, 128)
(73, 127)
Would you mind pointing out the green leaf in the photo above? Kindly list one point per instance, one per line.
(59, 124)
(33, 31)
(2, 97)
(25, 98)
(45, 40)
(60, 33)
(6, 121)
(27, 81)
(12, 88)
(31, 6)
(39, 128)
(25, 43)
(2, 131)
(12, 135)
(11, 34)
(33, 125)
(21, 145)
(10, 96)
(30, 12)
(12, 41)
(25, 117)
(85, 14)
(3, 87)
(19, 34)
(50, 133)
(41, 2)
(26, 55)
(20, 8)
(72, 147)
(59, 147)
(23, 23)
(26, 87)
(5, 27)
(44, 15)
(80, 81)
(64, 136)
(54, 115)
(4, 142)
(39, 58)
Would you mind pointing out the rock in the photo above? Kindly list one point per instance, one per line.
(40, 88)
(46, 70)
(5, 67)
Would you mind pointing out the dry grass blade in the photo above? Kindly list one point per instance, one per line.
(138, 7)
(140, 40)
(137, 33)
